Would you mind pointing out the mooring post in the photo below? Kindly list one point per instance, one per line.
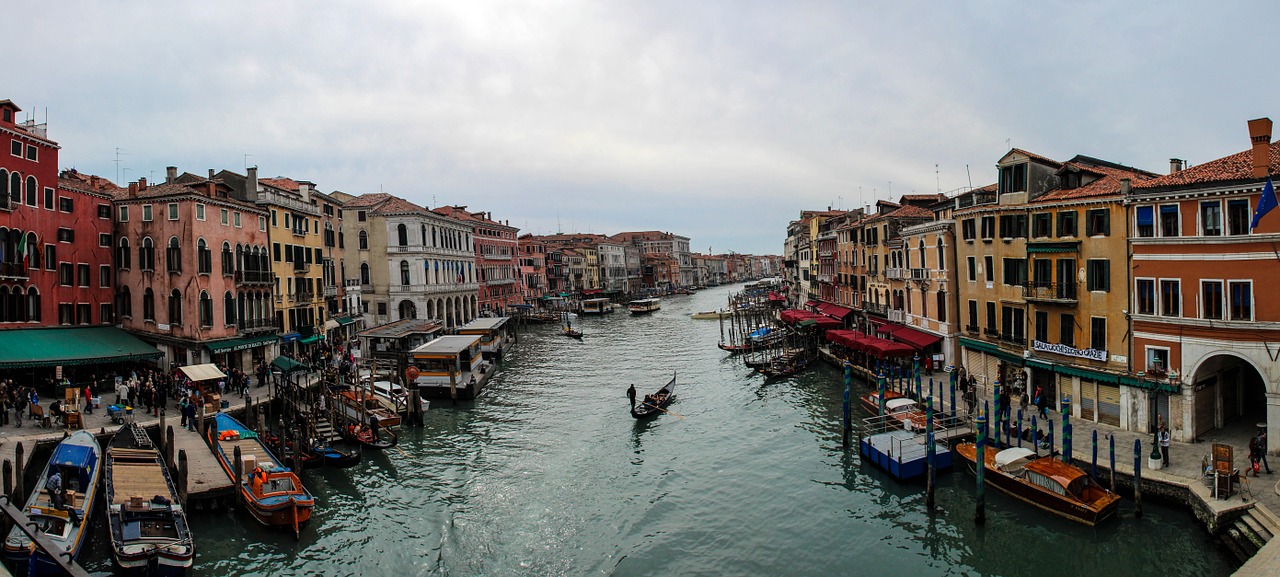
(1035, 435)
(848, 383)
(995, 421)
(1019, 435)
(1112, 438)
(1052, 442)
(168, 452)
(19, 465)
(7, 471)
(930, 451)
(416, 408)
(955, 374)
(1137, 477)
(881, 382)
(239, 468)
(1095, 455)
(1066, 431)
(182, 476)
(980, 466)
(160, 431)
(212, 435)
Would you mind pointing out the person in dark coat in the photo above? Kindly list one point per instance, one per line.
(631, 396)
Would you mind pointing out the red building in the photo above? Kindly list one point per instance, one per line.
(497, 258)
(55, 237)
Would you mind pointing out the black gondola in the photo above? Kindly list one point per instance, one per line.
(651, 405)
(568, 332)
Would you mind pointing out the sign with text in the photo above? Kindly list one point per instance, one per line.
(1091, 354)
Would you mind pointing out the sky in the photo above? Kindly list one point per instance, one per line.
(719, 121)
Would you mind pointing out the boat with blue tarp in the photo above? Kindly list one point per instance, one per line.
(271, 492)
(78, 460)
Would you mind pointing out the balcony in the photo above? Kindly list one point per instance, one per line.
(500, 282)
(876, 309)
(971, 329)
(896, 273)
(254, 277)
(1014, 338)
(304, 296)
(920, 274)
(330, 291)
(408, 248)
(898, 316)
(271, 197)
(301, 268)
(431, 289)
(351, 283)
(256, 326)
(1050, 292)
(13, 272)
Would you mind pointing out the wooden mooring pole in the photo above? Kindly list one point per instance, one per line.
(183, 473)
(1137, 477)
(19, 490)
(848, 378)
(980, 466)
(930, 452)
(1112, 438)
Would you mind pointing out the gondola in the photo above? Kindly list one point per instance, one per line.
(360, 411)
(568, 332)
(146, 521)
(310, 460)
(334, 457)
(651, 405)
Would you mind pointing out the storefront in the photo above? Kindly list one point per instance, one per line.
(243, 353)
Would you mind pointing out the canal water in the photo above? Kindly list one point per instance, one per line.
(547, 474)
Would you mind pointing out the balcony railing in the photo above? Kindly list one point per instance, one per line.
(304, 296)
(301, 267)
(991, 333)
(255, 277)
(351, 283)
(896, 273)
(256, 326)
(897, 316)
(1012, 338)
(13, 271)
(432, 288)
(1060, 292)
(875, 309)
(920, 274)
(971, 329)
(270, 197)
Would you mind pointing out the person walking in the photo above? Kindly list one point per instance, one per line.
(1255, 456)
(1041, 403)
(1164, 444)
(1262, 448)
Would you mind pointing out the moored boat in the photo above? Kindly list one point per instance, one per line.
(653, 404)
(717, 314)
(367, 419)
(644, 306)
(1050, 484)
(271, 492)
(78, 460)
(148, 527)
(871, 401)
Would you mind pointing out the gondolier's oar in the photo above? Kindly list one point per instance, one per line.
(663, 410)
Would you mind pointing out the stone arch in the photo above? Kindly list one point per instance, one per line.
(1230, 390)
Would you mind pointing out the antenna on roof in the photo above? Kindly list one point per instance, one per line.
(966, 172)
(119, 151)
(937, 176)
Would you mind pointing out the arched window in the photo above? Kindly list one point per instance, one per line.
(123, 255)
(33, 252)
(364, 273)
(4, 188)
(923, 261)
(4, 305)
(364, 240)
(228, 309)
(434, 240)
(424, 235)
(229, 266)
(147, 255)
(124, 302)
(33, 304)
(204, 257)
(402, 235)
(206, 309)
(942, 255)
(148, 305)
(15, 187)
(32, 187)
(173, 256)
(404, 272)
(175, 308)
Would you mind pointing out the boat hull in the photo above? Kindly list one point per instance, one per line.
(152, 554)
(1028, 493)
(19, 550)
(286, 508)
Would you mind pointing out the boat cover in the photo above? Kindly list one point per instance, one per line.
(1008, 456)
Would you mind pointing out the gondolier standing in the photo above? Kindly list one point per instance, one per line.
(631, 396)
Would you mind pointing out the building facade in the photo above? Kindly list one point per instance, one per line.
(496, 257)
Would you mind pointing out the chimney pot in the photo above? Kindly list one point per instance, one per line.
(142, 183)
(1175, 165)
(133, 189)
(1260, 136)
(210, 174)
(1125, 183)
(171, 174)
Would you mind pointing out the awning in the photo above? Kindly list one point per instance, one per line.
(1047, 247)
(887, 348)
(206, 372)
(330, 324)
(916, 338)
(48, 347)
(834, 311)
(311, 339)
(811, 303)
(344, 320)
(992, 349)
(288, 365)
(239, 344)
(290, 337)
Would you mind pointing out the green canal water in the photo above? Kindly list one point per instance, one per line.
(547, 474)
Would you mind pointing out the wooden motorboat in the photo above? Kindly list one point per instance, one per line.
(149, 531)
(1050, 484)
(651, 405)
(871, 400)
(271, 492)
(708, 315)
(78, 459)
(644, 306)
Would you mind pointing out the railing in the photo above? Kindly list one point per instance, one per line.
(500, 282)
(13, 271)
(1012, 338)
(875, 309)
(896, 273)
(255, 277)
(971, 329)
(304, 296)
(351, 283)
(1062, 292)
(269, 197)
(257, 325)
(301, 267)
(433, 288)
(1157, 371)
(991, 333)
(897, 316)
(920, 274)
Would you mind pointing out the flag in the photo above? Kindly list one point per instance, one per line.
(21, 257)
(1265, 204)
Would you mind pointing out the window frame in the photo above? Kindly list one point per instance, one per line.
(1203, 301)
(1094, 282)
(1094, 333)
(200, 211)
(1231, 299)
(1160, 296)
(1200, 220)
(148, 213)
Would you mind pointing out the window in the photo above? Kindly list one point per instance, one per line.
(988, 227)
(968, 228)
(1067, 329)
(175, 308)
(1041, 225)
(66, 274)
(1067, 223)
(148, 305)
(31, 153)
(229, 265)
(1169, 220)
(105, 311)
(173, 211)
(360, 215)
(50, 256)
(1211, 218)
(146, 213)
(104, 276)
(1015, 271)
(942, 256)
(1157, 359)
(1012, 328)
(66, 235)
(1098, 274)
(82, 275)
(204, 258)
(942, 306)
(991, 316)
(1241, 300)
(1145, 217)
(235, 219)
(228, 309)
(15, 148)
(123, 255)
(1098, 333)
(1042, 326)
(124, 302)
(104, 210)
(66, 313)
(402, 235)
(275, 250)
(1043, 273)
(1097, 222)
(262, 224)
(973, 316)
(1238, 217)
(173, 256)
(124, 214)
(274, 220)
(1013, 226)
(32, 187)
(48, 203)
(1146, 296)
(1211, 299)
(1170, 298)
(104, 239)
(989, 262)
(222, 214)
(364, 240)
(206, 310)
(382, 309)
(1013, 178)
(404, 273)
(199, 211)
(364, 273)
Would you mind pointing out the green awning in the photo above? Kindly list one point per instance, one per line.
(66, 346)
(311, 339)
(288, 365)
(1039, 365)
(344, 320)
(1042, 247)
(239, 344)
(1095, 376)
(992, 349)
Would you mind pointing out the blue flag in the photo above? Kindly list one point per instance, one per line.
(1265, 205)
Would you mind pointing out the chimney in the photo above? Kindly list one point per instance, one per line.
(142, 183)
(93, 181)
(1175, 165)
(210, 174)
(251, 182)
(1260, 135)
(1125, 183)
(170, 174)
(133, 189)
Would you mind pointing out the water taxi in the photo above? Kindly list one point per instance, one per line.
(1050, 484)
(495, 335)
(451, 367)
(597, 307)
(644, 306)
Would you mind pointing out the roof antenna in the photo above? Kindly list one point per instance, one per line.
(966, 172)
(937, 176)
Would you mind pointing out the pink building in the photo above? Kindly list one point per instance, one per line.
(497, 258)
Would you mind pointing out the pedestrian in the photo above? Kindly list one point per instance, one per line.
(1024, 403)
(182, 408)
(87, 394)
(1262, 448)
(1005, 401)
(631, 396)
(191, 416)
(1255, 456)
(54, 485)
(1041, 403)
(1164, 444)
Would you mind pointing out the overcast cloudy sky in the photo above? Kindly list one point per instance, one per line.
(716, 120)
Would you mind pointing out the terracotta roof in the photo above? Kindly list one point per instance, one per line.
(368, 200)
(910, 211)
(70, 179)
(1035, 156)
(988, 188)
(397, 205)
(281, 183)
(922, 197)
(1237, 167)
(1107, 183)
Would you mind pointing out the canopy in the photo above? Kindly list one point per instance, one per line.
(330, 324)
(344, 320)
(288, 365)
(852, 340)
(48, 347)
(916, 338)
(205, 372)
(834, 311)
(887, 348)
(811, 303)
(311, 339)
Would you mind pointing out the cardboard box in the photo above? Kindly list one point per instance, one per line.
(250, 463)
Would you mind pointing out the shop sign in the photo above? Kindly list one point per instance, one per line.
(1061, 349)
